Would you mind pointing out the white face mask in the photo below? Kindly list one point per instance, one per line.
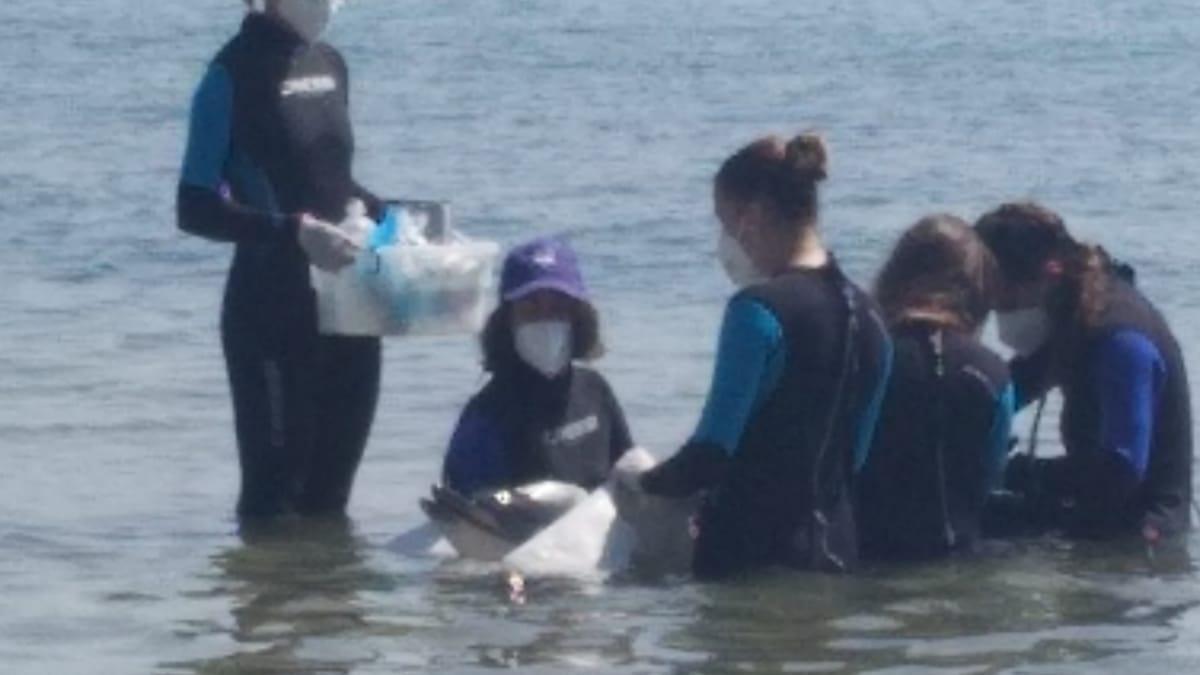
(738, 265)
(1025, 330)
(545, 345)
(308, 18)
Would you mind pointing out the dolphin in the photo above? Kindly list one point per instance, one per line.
(491, 524)
(552, 528)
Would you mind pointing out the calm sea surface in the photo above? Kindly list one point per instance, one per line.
(605, 120)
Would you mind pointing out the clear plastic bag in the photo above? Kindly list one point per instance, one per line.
(416, 276)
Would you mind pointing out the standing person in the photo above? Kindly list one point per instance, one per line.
(268, 168)
(800, 372)
(1078, 324)
(541, 416)
(944, 431)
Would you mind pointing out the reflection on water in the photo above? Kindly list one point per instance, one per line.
(1045, 603)
(316, 597)
(294, 587)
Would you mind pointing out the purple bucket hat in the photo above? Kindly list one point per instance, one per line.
(542, 264)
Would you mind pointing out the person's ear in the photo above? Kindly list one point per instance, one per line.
(750, 221)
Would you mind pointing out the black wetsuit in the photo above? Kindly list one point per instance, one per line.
(270, 138)
(783, 494)
(939, 449)
(1126, 426)
(522, 428)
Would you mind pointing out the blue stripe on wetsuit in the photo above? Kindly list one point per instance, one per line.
(750, 360)
(998, 438)
(751, 357)
(209, 130)
(1130, 377)
(211, 159)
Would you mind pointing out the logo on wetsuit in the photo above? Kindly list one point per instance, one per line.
(574, 431)
(309, 86)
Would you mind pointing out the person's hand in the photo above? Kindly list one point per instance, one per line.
(326, 245)
(628, 478)
(626, 485)
(628, 481)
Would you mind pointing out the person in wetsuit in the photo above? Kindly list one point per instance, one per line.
(541, 416)
(944, 431)
(1077, 323)
(268, 168)
(801, 366)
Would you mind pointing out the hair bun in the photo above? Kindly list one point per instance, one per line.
(807, 156)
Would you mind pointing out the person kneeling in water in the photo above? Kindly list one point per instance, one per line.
(1077, 323)
(540, 416)
(944, 431)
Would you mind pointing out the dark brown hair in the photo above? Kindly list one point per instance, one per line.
(782, 175)
(1023, 236)
(940, 271)
(500, 353)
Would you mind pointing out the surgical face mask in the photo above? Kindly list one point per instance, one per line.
(1025, 330)
(545, 345)
(738, 265)
(308, 18)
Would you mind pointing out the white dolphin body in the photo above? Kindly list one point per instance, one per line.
(581, 535)
(489, 527)
(613, 530)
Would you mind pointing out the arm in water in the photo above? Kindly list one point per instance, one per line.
(1129, 377)
(749, 364)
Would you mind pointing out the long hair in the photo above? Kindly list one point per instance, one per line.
(940, 271)
(1023, 236)
(500, 353)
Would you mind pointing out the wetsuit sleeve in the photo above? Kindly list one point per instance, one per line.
(375, 205)
(476, 458)
(996, 452)
(1130, 373)
(201, 208)
(749, 364)
(1031, 377)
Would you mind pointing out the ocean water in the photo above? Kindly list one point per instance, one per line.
(606, 121)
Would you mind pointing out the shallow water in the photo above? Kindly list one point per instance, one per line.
(118, 553)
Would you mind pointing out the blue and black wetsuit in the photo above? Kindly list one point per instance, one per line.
(270, 139)
(801, 368)
(522, 428)
(1126, 426)
(940, 447)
